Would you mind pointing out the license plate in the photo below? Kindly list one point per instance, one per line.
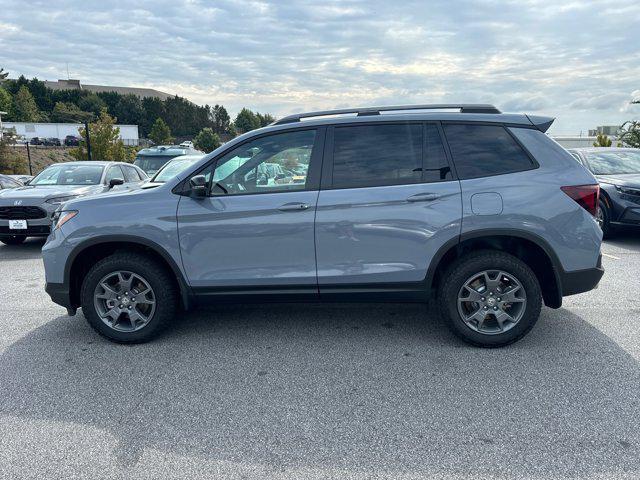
(17, 224)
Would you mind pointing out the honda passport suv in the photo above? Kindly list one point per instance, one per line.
(478, 206)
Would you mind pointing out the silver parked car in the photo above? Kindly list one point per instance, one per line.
(27, 211)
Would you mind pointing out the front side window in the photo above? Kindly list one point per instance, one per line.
(114, 172)
(274, 163)
(485, 150)
(130, 174)
(374, 155)
(62, 174)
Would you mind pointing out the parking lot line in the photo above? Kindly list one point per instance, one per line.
(610, 256)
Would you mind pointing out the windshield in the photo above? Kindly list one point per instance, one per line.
(614, 163)
(173, 168)
(151, 164)
(62, 174)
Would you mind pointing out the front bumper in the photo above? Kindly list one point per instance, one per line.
(31, 230)
(581, 281)
(59, 293)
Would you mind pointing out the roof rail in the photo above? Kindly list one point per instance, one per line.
(368, 111)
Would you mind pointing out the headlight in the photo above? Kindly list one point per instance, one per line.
(62, 217)
(59, 200)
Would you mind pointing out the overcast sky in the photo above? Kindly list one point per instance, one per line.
(578, 61)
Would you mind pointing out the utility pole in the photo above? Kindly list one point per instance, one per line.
(86, 129)
(1, 131)
(29, 158)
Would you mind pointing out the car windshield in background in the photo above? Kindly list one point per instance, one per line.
(614, 163)
(151, 164)
(173, 168)
(69, 175)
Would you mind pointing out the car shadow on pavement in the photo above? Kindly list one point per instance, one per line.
(30, 249)
(346, 390)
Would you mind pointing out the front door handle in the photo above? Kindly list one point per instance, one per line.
(423, 197)
(293, 207)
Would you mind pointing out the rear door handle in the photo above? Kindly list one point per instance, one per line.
(293, 207)
(423, 197)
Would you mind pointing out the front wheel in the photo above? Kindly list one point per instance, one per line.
(603, 217)
(128, 298)
(490, 298)
(13, 239)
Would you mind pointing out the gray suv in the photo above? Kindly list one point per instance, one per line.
(395, 203)
(27, 211)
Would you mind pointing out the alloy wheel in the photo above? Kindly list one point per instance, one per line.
(124, 301)
(491, 302)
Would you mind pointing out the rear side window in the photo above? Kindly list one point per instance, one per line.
(485, 150)
(373, 155)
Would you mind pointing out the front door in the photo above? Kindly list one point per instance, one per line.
(389, 202)
(254, 231)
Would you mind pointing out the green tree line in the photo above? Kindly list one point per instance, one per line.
(32, 101)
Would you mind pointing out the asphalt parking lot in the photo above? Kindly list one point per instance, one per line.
(317, 391)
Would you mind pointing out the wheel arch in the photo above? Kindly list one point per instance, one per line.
(92, 250)
(528, 247)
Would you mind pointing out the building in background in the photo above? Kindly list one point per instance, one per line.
(128, 133)
(576, 141)
(76, 85)
(608, 130)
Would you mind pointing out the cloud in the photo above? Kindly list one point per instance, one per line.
(538, 56)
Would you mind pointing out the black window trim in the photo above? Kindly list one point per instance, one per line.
(313, 174)
(327, 164)
(507, 127)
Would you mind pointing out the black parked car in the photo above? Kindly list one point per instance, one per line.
(36, 141)
(71, 141)
(618, 172)
(52, 142)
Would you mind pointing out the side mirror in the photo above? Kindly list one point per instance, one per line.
(115, 181)
(198, 186)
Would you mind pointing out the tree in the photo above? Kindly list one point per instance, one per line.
(206, 140)
(129, 110)
(265, 119)
(602, 141)
(92, 103)
(3, 74)
(69, 112)
(221, 119)
(5, 100)
(160, 132)
(246, 121)
(105, 141)
(629, 134)
(24, 108)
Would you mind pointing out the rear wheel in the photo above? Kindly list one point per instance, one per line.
(490, 298)
(13, 239)
(128, 298)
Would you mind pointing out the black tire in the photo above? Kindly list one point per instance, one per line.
(13, 239)
(467, 266)
(605, 223)
(159, 279)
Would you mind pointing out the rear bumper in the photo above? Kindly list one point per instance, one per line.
(581, 281)
(59, 293)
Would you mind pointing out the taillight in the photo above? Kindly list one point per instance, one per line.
(585, 195)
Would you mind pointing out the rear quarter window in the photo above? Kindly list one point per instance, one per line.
(485, 150)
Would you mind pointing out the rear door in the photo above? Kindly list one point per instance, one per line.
(254, 233)
(389, 201)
